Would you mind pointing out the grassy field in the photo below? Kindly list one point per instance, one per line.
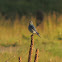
(15, 39)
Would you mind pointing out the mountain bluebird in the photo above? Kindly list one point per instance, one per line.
(32, 28)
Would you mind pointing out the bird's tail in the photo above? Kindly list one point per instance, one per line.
(38, 34)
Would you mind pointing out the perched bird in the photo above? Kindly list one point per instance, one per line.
(32, 28)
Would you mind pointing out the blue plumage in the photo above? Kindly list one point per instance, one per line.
(32, 28)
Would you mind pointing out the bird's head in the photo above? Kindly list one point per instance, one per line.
(30, 22)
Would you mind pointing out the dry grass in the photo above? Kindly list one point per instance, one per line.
(15, 38)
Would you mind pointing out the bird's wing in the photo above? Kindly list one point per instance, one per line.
(33, 27)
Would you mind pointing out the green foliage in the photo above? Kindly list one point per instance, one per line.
(24, 7)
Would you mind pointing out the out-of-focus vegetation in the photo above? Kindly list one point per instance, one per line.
(27, 7)
(15, 39)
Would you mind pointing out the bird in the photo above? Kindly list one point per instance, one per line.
(32, 28)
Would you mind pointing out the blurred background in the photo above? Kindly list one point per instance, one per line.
(15, 37)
